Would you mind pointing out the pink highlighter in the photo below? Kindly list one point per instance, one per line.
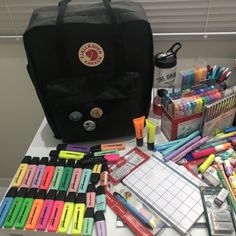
(75, 179)
(91, 196)
(111, 158)
(55, 217)
(46, 210)
(31, 170)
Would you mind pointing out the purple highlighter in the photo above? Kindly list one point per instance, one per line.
(73, 148)
(100, 224)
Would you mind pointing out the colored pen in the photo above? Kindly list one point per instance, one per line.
(58, 172)
(73, 148)
(163, 146)
(104, 175)
(91, 196)
(75, 179)
(46, 210)
(67, 212)
(132, 210)
(35, 210)
(95, 176)
(25, 209)
(107, 147)
(67, 174)
(179, 144)
(212, 144)
(58, 206)
(100, 198)
(230, 129)
(66, 154)
(103, 153)
(15, 208)
(189, 149)
(6, 204)
(223, 136)
(88, 222)
(39, 172)
(48, 174)
(100, 224)
(21, 171)
(85, 179)
(31, 170)
(78, 216)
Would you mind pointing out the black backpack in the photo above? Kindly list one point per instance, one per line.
(92, 67)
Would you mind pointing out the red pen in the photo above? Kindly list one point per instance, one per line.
(48, 174)
(55, 217)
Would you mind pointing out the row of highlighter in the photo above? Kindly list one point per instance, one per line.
(54, 211)
(58, 174)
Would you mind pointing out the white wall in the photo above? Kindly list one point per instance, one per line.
(21, 112)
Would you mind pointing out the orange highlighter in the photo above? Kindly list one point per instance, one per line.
(35, 210)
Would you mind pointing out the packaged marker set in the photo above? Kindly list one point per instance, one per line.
(219, 216)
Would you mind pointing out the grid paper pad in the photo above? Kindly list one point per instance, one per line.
(168, 191)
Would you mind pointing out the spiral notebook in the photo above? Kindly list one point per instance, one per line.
(168, 189)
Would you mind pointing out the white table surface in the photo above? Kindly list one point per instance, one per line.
(43, 142)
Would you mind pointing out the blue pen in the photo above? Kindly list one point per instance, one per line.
(231, 129)
(163, 146)
(132, 210)
(6, 204)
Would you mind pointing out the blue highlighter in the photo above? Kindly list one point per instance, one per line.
(6, 204)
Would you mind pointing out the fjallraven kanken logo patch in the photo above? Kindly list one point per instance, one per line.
(91, 54)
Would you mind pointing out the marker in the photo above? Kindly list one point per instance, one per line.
(133, 210)
(73, 148)
(39, 172)
(85, 178)
(58, 206)
(228, 168)
(46, 210)
(91, 196)
(35, 210)
(212, 144)
(163, 146)
(100, 198)
(25, 209)
(104, 175)
(48, 174)
(31, 169)
(96, 173)
(100, 224)
(67, 213)
(6, 204)
(57, 176)
(88, 222)
(204, 166)
(67, 174)
(66, 154)
(94, 160)
(75, 179)
(78, 216)
(228, 135)
(230, 129)
(15, 208)
(139, 130)
(107, 147)
(111, 158)
(21, 171)
(151, 130)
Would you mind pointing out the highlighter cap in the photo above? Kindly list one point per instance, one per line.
(78, 165)
(61, 196)
(51, 194)
(71, 197)
(54, 153)
(96, 148)
(52, 162)
(150, 146)
(41, 194)
(34, 161)
(26, 159)
(61, 162)
(81, 198)
(99, 216)
(88, 156)
(89, 213)
(139, 142)
(12, 192)
(100, 190)
(22, 192)
(43, 161)
(70, 163)
(31, 193)
(61, 146)
(104, 167)
(91, 188)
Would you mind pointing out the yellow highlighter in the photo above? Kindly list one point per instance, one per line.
(205, 165)
(66, 154)
(67, 213)
(21, 171)
(151, 131)
(78, 216)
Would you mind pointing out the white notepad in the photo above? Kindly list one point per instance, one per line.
(170, 190)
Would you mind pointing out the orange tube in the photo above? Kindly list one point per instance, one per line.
(139, 129)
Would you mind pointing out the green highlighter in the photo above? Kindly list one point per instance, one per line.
(25, 209)
(15, 208)
(67, 174)
(58, 173)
